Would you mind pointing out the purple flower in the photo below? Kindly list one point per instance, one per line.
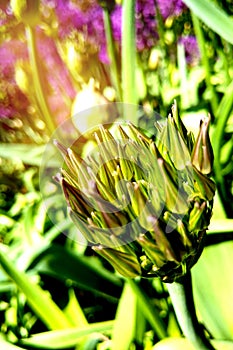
(59, 88)
(83, 17)
(6, 15)
(69, 16)
(146, 30)
(116, 17)
(87, 17)
(10, 51)
(12, 100)
(191, 48)
(54, 68)
(146, 25)
(170, 7)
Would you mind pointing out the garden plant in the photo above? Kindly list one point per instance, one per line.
(116, 191)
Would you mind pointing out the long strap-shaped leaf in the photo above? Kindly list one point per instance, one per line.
(124, 327)
(4, 344)
(39, 300)
(213, 16)
(66, 338)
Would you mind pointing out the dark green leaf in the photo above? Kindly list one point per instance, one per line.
(87, 273)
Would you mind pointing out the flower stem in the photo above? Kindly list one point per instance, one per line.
(40, 94)
(182, 298)
(112, 54)
(129, 91)
(205, 61)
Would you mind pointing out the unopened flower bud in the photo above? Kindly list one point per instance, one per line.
(141, 202)
(202, 155)
(126, 264)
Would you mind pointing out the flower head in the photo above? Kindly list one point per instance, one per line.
(141, 202)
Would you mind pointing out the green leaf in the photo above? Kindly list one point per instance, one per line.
(5, 345)
(221, 225)
(213, 285)
(184, 344)
(66, 338)
(150, 313)
(74, 312)
(28, 154)
(111, 49)
(213, 16)
(91, 342)
(140, 325)
(87, 273)
(38, 299)
(124, 327)
(223, 113)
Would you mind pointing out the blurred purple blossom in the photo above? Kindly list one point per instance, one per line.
(59, 88)
(12, 100)
(146, 27)
(69, 16)
(170, 7)
(88, 19)
(192, 53)
(6, 14)
(55, 69)
(10, 51)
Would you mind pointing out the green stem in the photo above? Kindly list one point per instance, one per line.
(182, 298)
(112, 54)
(201, 43)
(184, 96)
(40, 94)
(163, 72)
(129, 56)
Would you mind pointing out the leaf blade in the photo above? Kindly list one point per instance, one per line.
(213, 16)
(37, 298)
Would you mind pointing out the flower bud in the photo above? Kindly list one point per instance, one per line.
(141, 202)
(202, 155)
(126, 264)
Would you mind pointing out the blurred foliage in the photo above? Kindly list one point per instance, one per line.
(56, 294)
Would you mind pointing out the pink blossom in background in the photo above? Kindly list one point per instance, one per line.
(192, 53)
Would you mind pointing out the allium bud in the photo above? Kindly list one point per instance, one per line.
(143, 203)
